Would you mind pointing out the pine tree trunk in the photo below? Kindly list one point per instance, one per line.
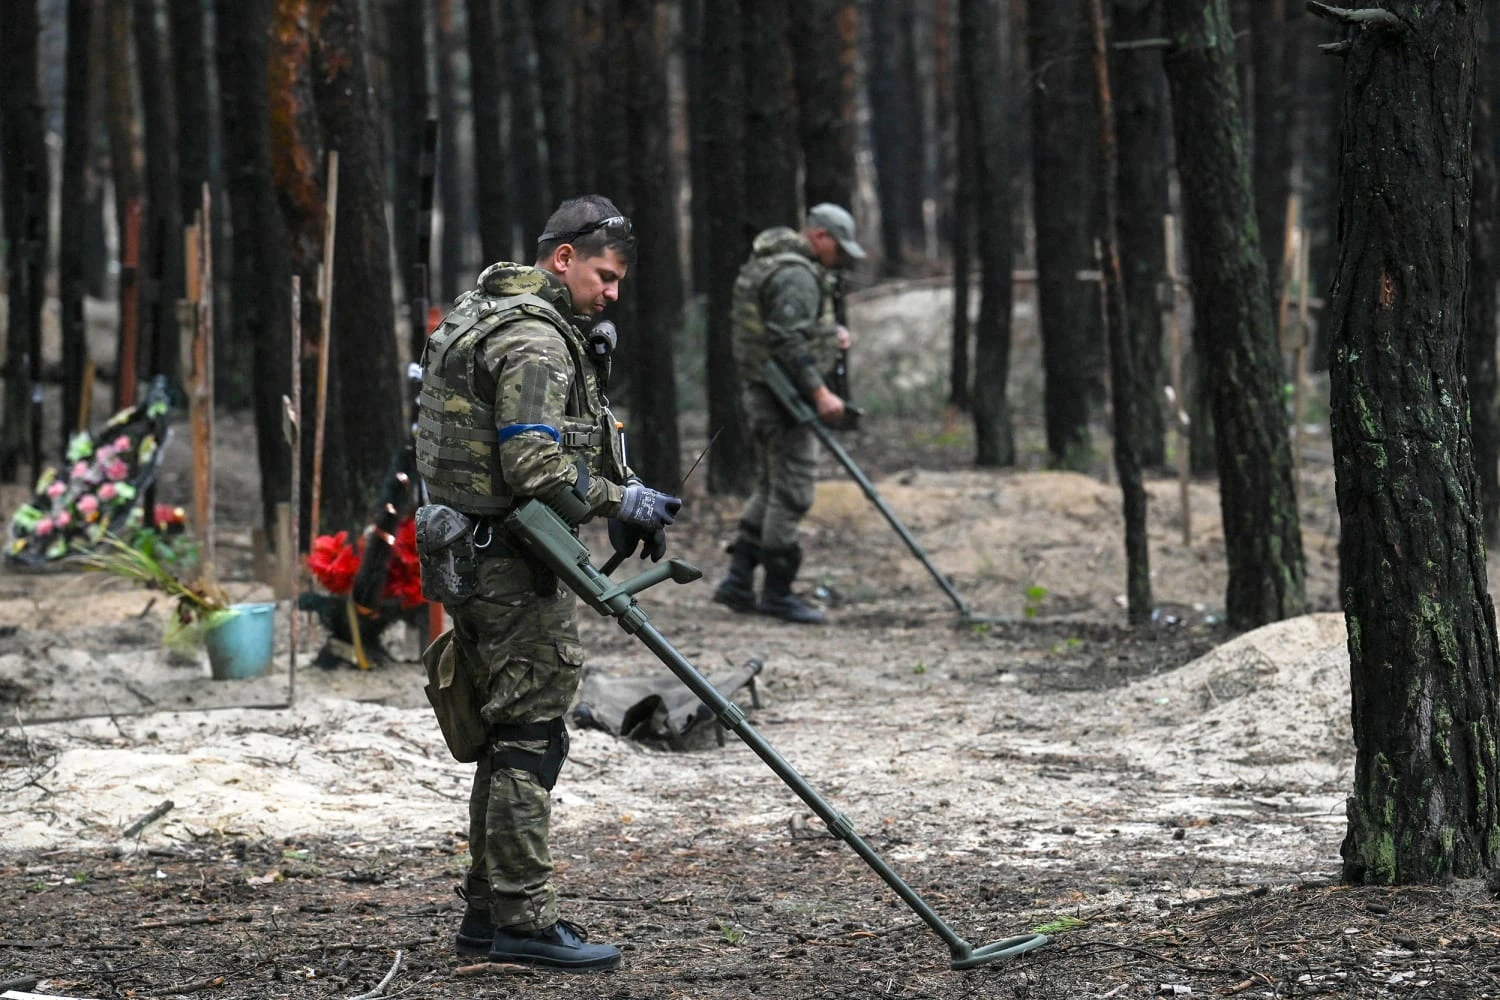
(694, 75)
(23, 161)
(261, 320)
(723, 133)
(890, 117)
(78, 121)
(454, 168)
(532, 201)
(366, 418)
(1484, 274)
(1321, 84)
(492, 181)
(1235, 340)
(959, 394)
(161, 225)
(1422, 646)
(550, 21)
(824, 44)
(982, 102)
(1140, 109)
(1063, 182)
(654, 440)
(410, 100)
(1275, 61)
(770, 116)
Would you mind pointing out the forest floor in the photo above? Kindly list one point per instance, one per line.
(1167, 800)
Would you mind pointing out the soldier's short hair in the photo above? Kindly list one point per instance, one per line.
(592, 224)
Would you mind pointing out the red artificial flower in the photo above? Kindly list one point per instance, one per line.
(333, 562)
(403, 581)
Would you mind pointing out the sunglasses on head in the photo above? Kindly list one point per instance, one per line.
(615, 225)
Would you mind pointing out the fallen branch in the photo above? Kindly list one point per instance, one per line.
(146, 925)
(23, 983)
(151, 817)
(492, 968)
(1370, 17)
(379, 989)
(206, 983)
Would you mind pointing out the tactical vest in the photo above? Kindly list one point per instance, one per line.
(457, 440)
(773, 250)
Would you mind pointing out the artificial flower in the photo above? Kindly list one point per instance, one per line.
(120, 444)
(117, 470)
(42, 528)
(88, 505)
(107, 492)
(80, 470)
(333, 562)
(80, 446)
(63, 519)
(57, 489)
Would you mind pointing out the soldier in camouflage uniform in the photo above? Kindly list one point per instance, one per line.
(512, 407)
(785, 309)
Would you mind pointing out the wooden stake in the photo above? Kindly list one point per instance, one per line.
(1288, 268)
(203, 361)
(1179, 403)
(1299, 349)
(86, 395)
(128, 343)
(187, 315)
(325, 294)
(291, 555)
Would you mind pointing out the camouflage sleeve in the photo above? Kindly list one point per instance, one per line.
(790, 302)
(533, 373)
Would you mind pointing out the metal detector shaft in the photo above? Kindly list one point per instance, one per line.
(786, 394)
(538, 528)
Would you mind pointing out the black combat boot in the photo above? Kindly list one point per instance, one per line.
(564, 945)
(777, 600)
(477, 930)
(737, 591)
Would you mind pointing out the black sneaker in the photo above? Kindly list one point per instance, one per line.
(475, 934)
(564, 945)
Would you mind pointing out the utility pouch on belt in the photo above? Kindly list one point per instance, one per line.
(456, 700)
(445, 546)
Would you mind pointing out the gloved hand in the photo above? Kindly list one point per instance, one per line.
(647, 508)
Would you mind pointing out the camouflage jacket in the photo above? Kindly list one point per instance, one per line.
(510, 400)
(783, 308)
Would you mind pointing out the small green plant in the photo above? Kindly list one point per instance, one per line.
(920, 668)
(200, 604)
(1034, 595)
(1060, 926)
(730, 934)
(79, 878)
(979, 628)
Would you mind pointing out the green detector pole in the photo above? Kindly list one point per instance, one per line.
(549, 539)
(786, 394)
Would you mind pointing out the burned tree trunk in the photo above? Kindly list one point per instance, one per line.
(455, 198)
(410, 100)
(1274, 62)
(1422, 646)
(262, 271)
(959, 395)
(78, 122)
(658, 275)
(1235, 339)
(554, 72)
(161, 227)
(824, 44)
(891, 113)
(1141, 111)
(366, 414)
(723, 132)
(1484, 277)
(531, 200)
(770, 116)
(491, 164)
(1063, 182)
(983, 104)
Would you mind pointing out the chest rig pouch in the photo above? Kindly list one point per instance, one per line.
(445, 548)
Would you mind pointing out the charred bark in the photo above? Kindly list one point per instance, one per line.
(1422, 646)
(824, 46)
(891, 112)
(1484, 276)
(984, 106)
(72, 279)
(1234, 337)
(770, 116)
(410, 101)
(532, 201)
(454, 196)
(1275, 69)
(491, 164)
(161, 226)
(554, 74)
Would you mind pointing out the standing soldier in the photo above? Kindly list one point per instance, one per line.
(512, 407)
(785, 310)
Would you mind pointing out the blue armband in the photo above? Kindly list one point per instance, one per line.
(506, 433)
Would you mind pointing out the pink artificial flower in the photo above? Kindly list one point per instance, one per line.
(43, 527)
(57, 489)
(121, 443)
(64, 519)
(117, 470)
(80, 470)
(107, 492)
(88, 504)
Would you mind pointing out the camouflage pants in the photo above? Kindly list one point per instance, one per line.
(527, 649)
(786, 468)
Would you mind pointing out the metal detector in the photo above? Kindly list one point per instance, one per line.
(549, 539)
(792, 402)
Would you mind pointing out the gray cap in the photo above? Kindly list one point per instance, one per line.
(840, 225)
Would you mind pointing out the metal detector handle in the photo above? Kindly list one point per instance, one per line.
(786, 394)
(543, 533)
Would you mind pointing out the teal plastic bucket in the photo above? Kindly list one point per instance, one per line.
(242, 644)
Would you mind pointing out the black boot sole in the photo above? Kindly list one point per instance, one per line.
(472, 947)
(737, 602)
(592, 965)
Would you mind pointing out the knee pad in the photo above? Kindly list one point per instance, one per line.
(545, 765)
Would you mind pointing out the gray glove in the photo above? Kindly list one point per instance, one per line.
(646, 507)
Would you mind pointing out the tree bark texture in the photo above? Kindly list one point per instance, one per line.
(410, 100)
(1140, 94)
(770, 116)
(959, 394)
(72, 279)
(695, 74)
(1274, 60)
(1063, 184)
(1484, 277)
(892, 112)
(454, 169)
(23, 160)
(121, 120)
(366, 415)
(723, 135)
(1121, 348)
(1422, 647)
(1321, 84)
(161, 225)
(825, 37)
(532, 200)
(492, 180)
(654, 442)
(982, 102)
(1234, 337)
(555, 75)
(262, 271)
